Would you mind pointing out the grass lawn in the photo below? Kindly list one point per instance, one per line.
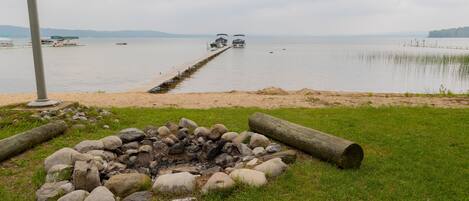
(410, 153)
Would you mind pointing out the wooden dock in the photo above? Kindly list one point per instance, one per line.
(170, 80)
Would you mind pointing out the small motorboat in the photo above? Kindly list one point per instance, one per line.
(121, 43)
(222, 40)
(64, 41)
(239, 41)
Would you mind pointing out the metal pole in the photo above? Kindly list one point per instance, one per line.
(42, 100)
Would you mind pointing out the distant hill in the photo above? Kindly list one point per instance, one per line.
(22, 32)
(462, 32)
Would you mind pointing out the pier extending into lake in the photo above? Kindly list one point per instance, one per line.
(170, 80)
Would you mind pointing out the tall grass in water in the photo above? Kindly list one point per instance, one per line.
(404, 58)
(460, 61)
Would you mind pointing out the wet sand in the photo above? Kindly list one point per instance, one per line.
(267, 98)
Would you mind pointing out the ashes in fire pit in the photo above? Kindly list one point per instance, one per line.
(173, 159)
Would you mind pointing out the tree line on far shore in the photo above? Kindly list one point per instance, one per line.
(461, 32)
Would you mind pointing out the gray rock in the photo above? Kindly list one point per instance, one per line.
(58, 173)
(86, 176)
(168, 141)
(259, 151)
(187, 123)
(177, 183)
(217, 182)
(89, 145)
(252, 163)
(258, 140)
(163, 132)
(202, 132)
(100, 193)
(224, 160)
(145, 148)
(78, 195)
(231, 149)
(273, 148)
(249, 177)
(63, 156)
(139, 196)
(106, 155)
(131, 145)
(131, 152)
(217, 131)
(182, 133)
(172, 127)
(151, 131)
(230, 136)
(123, 185)
(144, 159)
(160, 148)
(111, 143)
(131, 134)
(244, 150)
(210, 171)
(53, 191)
(177, 148)
(272, 168)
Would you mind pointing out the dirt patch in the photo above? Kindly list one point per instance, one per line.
(267, 98)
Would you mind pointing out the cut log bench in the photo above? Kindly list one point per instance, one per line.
(19, 143)
(344, 153)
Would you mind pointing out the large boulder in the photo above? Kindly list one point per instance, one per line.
(178, 183)
(131, 135)
(65, 156)
(249, 177)
(272, 168)
(89, 145)
(139, 196)
(53, 191)
(218, 182)
(111, 143)
(79, 195)
(187, 123)
(86, 176)
(101, 193)
(258, 140)
(123, 185)
(58, 173)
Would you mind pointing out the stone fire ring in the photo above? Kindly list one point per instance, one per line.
(174, 159)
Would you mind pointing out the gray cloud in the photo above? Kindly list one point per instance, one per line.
(304, 17)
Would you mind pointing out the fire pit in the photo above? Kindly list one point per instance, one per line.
(174, 159)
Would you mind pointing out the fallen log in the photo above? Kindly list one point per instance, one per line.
(19, 143)
(343, 153)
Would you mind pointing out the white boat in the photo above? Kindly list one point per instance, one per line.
(239, 41)
(64, 41)
(6, 42)
(222, 40)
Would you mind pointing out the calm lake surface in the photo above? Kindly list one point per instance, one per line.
(363, 64)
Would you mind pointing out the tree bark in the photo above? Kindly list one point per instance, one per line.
(19, 143)
(344, 153)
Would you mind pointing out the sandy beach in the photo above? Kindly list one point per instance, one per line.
(266, 98)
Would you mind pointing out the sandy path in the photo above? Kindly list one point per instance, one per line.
(261, 99)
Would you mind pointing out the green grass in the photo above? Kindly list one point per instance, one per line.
(410, 153)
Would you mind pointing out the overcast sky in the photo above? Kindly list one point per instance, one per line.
(277, 17)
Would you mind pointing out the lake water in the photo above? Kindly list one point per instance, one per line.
(363, 64)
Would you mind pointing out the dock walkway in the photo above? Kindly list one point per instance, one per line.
(171, 79)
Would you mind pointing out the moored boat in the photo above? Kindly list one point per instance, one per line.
(64, 41)
(239, 41)
(6, 42)
(222, 40)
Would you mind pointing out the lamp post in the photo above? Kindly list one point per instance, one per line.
(42, 100)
